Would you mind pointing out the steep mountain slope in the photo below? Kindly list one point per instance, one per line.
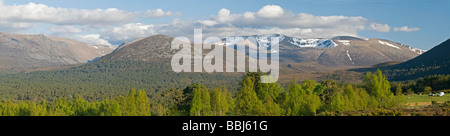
(434, 61)
(151, 48)
(436, 56)
(335, 52)
(25, 52)
(127, 43)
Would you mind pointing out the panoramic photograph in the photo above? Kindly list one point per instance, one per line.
(173, 60)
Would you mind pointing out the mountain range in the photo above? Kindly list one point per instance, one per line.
(297, 55)
(145, 63)
(342, 51)
(20, 52)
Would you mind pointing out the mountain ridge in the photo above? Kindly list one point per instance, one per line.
(336, 51)
(21, 52)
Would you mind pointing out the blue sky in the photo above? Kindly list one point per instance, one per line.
(419, 23)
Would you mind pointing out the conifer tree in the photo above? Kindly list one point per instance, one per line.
(206, 102)
(142, 104)
(131, 103)
(196, 105)
(247, 102)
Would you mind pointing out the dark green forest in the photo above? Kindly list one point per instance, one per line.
(104, 79)
(424, 85)
(252, 98)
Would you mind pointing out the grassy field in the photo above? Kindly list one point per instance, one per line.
(423, 100)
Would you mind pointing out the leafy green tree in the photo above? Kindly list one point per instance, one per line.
(206, 102)
(130, 107)
(298, 102)
(398, 90)
(427, 89)
(142, 104)
(337, 103)
(201, 102)
(172, 103)
(109, 108)
(196, 105)
(219, 102)
(319, 90)
(271, 108)
(379, 88)
(230, 101)
(247, 102)
(309, 86)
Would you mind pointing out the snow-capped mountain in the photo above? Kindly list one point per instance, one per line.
(420, 51)
(322, 43)
(336, 51)
(261, 40)
(266, 39)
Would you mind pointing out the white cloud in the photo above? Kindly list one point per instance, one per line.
(40, 13)
(114, 26)
(302, 25)
(92, 39)
(65, 29)
(249, 15)
(207, 22)
(406, 29)
(273, 17)
(270, 11)
(157, 13)
(379, 27)
(15, 27)
(223, 15)
(283, 18)
(127, 32)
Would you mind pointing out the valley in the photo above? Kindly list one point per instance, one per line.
(338, 64)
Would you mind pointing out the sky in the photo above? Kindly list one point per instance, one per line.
(418, 23)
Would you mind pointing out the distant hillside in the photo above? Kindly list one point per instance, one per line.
(152, 48)
(432, 62)
(27, 52)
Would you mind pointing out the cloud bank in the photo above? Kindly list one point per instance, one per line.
(115, 26)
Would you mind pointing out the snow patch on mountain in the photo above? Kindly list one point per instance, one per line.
(381, 53)
(419, 51)
(388, 44)
(323, 43)
(266, 41)
(416, 50)
(348, 55)
(344, 42)
(262, 40)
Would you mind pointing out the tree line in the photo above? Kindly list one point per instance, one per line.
(136, 103)
(306, 99)
(424, 85)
